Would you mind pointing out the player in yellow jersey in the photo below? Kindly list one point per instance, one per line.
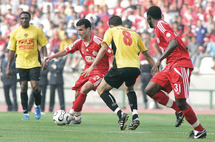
(126, 46)
(24, 45)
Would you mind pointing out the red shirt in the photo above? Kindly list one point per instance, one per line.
(89, 53)
(179, 56)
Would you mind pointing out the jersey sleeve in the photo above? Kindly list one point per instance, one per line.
(12, 42)
(108, 36)
(165, 31)
(41, 38)
(109, 52)
(74, 46)
(141, 45)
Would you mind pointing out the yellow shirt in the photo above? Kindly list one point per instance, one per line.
(25, 42)
(126, 46)
(65, 43)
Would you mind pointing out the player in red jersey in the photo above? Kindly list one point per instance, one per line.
(175, 76)
(88, 46)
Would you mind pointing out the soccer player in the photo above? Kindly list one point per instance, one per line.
(126, 45)
(24, 42)
(175, 76)
(89, 46)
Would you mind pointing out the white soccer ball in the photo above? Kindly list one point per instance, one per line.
(61, 117)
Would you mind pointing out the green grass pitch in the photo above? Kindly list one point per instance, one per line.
(99, 127)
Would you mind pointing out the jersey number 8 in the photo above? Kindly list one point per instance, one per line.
(127, 38)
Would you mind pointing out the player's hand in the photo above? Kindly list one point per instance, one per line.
(8, 74)
(156, 68)
(44, 65)
(87, 72)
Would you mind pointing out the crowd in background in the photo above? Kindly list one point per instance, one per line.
(193, 20)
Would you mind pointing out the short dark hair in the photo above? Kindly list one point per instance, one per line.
(84, 22)
(25, 12)
(154, 12)
(115, 20)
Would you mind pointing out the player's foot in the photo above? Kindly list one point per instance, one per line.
(198, 135)
(134, 124)
(25, 117)
(76, 119)
(37, 112)
(122, 121)
(179, 119)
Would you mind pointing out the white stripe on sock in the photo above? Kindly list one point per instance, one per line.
(134, 112)
(116, 110)
(169, 103)
(196, 124)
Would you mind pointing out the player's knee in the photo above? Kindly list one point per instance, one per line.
(182, 105)
(148, 91)
(36, 89)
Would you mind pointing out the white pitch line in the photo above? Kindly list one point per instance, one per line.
(103, 131)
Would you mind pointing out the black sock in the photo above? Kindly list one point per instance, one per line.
(37, 98)
(109, 100)
(24, 102)
(132, 99)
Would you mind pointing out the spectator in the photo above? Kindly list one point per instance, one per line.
(56, 81)
(193, 49)
(200, 32)
(9, 83)
(210, 50)
(54, 43)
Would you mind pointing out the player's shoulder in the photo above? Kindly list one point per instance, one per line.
(16, 30)
(77, 41)
(97, 39)
(35, 27)
(162, 26)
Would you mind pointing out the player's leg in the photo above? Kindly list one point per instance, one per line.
(181, 91)
(24, 99)
(112, 79)
(132, 99)
(34, 75)
(130, 80)
(22, 76)
(155, 90)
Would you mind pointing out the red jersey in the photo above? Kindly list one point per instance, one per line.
(179, 57)
(89, 53)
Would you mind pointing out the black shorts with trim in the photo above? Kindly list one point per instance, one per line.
(116, 76)
(28, 74)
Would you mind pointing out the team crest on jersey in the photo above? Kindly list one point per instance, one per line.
(158, 40)
(168, 34)
(94, 53)
(25, 34)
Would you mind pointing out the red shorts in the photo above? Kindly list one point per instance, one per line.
(95, 79)
(176, 79)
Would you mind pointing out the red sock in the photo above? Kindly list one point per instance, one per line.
(191, 118)
(78, 103)
(163, 99)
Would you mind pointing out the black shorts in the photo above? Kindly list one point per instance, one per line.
(28, 74)
(116, 76)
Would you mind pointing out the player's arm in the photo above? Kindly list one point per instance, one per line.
(100, 55)
(10, 59)
(149, 57)
(171, 46)
(56, 55)
(44, 51)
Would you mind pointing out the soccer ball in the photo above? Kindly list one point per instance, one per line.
(61, 117)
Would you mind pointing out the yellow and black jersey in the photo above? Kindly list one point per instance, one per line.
(25, 42)
(126, 46)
